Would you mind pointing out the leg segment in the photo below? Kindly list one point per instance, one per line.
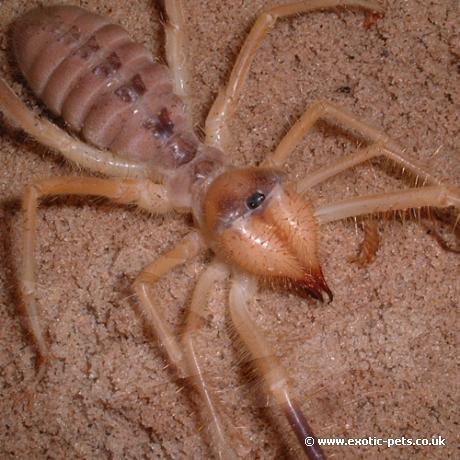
(325, 110)
(370, 245)
(173, 12)
(225, 104)
(362, 155)
(337, 167)
(215, 272)
(70, 147)
(188, 248)
(274, 375)
(143, 193)
(436, 196)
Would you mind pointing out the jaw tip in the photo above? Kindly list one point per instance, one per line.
(310, 285)
(318, 294)
(315, 285)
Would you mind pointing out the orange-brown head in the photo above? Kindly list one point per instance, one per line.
(255, 220)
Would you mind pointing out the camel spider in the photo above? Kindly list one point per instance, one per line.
(42, 349)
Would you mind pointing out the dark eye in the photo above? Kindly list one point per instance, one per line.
(255, 200)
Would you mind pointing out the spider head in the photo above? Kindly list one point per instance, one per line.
(255, 220)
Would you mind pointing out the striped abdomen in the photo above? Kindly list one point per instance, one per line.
(105, 86)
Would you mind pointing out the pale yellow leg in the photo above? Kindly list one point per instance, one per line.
(220, 433)
(435, 196)
(188, 248)
(365, 154)
(226, 102)
(432, 194)
(384, 145)
(274, 375)
(140, 192)
(74, 150)
(173, 10)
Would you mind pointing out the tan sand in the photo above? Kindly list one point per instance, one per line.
(381, 360)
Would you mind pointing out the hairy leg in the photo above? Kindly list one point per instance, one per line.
(382, 145)
(226, 102)
(338, 166)
(188, 248)
(173, 12)
(74, 150)
(140, 192)
(275, 377)
(219, 438)
(436, 196)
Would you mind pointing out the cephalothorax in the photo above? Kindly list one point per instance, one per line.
(130, 112)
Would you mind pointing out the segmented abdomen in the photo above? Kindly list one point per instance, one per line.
(105, 86)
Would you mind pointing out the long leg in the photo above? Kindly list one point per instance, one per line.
(45, 132)
(143, 193)
(225, 104)
(436, 196)
(362, 155)
(173, 12)
(274, 375)
(384, 145)
(215, 272)
(188, 248)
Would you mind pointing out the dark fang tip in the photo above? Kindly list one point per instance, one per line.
(329, 293)
(317, 295)
(315, 285)
(312, 284)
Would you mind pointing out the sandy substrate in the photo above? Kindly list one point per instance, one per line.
(381, 360)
